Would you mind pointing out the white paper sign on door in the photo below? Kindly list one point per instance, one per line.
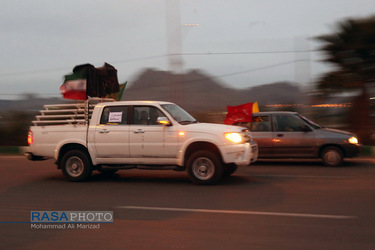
(115, 117)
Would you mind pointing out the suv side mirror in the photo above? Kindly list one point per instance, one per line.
(163, 121)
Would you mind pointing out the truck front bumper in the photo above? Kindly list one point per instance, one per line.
(240, 154)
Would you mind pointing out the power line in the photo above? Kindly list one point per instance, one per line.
(246, 52)
(249, 70)
(161, 56)
(139, 59)
(68, 68)
(233, 73)
(202, 79)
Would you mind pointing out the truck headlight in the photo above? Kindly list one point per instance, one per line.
(234, 137)
(353, 140)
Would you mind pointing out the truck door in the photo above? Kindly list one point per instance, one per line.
(150, 139)
(112, 134)
(292, 137)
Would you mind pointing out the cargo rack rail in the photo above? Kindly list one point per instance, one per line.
(69, 113)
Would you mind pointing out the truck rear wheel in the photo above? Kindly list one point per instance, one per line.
(204, 167)
(76, 165)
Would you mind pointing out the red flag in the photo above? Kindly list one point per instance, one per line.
(240, 113)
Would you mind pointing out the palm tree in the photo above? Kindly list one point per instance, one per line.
(352, 50)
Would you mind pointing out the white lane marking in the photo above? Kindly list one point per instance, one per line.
(238, 212)
(300, 176)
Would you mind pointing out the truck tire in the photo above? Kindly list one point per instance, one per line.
(332, 156)
(205, 167)
(76, 165)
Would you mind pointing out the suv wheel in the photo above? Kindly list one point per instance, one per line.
(204, 167)
(332, 156)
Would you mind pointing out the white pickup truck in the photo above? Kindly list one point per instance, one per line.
(109, 136)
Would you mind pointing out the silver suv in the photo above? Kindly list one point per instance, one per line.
(291, 135)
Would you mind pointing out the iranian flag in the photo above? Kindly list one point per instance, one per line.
(74, 86)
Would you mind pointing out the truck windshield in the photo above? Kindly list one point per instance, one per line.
(179, 114)
(311, 123)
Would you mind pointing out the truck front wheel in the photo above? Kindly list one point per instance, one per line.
(76, 165)
(204, 167)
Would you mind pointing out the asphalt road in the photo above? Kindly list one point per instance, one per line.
(269, 205)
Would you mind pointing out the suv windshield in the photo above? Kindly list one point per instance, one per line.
(179, 114)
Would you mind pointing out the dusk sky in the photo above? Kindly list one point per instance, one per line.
(242, 43)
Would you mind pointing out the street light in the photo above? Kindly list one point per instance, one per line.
(174, 48)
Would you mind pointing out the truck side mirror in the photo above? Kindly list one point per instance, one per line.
(163, 121)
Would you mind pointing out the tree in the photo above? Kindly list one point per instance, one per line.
(352, 50)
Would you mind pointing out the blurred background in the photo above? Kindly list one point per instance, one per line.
(317, 58)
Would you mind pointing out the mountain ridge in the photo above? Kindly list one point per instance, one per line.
(196, 90)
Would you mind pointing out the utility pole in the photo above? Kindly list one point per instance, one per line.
(174, 48)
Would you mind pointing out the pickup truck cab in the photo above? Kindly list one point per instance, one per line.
(139, 134)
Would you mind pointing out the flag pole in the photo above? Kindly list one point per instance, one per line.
(121, 91)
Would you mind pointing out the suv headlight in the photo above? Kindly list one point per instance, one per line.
(234, 137)
(353, 140)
